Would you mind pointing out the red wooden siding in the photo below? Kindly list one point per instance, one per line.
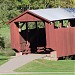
(26, 18)
(62, 40)
(47, 35)
(50, 39)
(15, 40)
(72, 40)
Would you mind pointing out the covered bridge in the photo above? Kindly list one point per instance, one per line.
(44, 29)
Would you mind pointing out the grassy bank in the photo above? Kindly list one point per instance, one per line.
(43, 74)
(3, 59)
(42, 65)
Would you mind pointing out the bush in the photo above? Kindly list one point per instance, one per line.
(9, 52)
(2, 43)
(5, 49)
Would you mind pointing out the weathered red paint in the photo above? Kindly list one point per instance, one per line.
(62, 40)
(47, 35)
(22, 43)
(27, 17)
(15, 37)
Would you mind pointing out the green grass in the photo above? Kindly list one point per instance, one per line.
(42, 65)
(3, 59)
(43, 74)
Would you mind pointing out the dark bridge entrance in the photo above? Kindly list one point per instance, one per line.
(33, 37)
(37, 38)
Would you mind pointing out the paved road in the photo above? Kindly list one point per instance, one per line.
(18, 61)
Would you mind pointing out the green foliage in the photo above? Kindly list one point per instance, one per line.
(5, 35)
(57, 23)
(7, 52)
(65, 22)
(2, 43)
(41, 25)
(61, 3)
(73, 3)
(22, 4)
(31, 25)
(8, 10)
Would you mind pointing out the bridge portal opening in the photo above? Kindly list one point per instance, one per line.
(32, 36)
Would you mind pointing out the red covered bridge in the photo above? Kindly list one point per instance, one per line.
(48, 32)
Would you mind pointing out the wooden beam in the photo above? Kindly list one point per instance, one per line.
(36, 32)
(52, 23)
(26, 31)
(61, 23)
(69, 24)
(36, 24)
(22, 25)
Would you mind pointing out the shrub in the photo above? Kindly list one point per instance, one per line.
(9, 52)
(2, 43)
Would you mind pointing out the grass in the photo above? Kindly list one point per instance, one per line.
(3, 59)
(43, 74)
(41, 65)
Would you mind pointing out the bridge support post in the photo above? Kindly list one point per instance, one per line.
(53, 55)
(18, 53)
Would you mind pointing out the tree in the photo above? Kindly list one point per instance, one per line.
(8, 10)
(22, 4)
(66, 3)
(73, 1)
(61, 3)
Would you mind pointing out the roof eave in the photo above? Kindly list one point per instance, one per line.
(38, 16)
(27, 11)
(17, 17)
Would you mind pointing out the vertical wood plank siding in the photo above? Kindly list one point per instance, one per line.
(22, 43)
(47, 35)
(62, 40)
(15, 37)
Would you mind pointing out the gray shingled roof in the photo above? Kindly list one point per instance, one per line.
(52, 14)
(71, 10)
